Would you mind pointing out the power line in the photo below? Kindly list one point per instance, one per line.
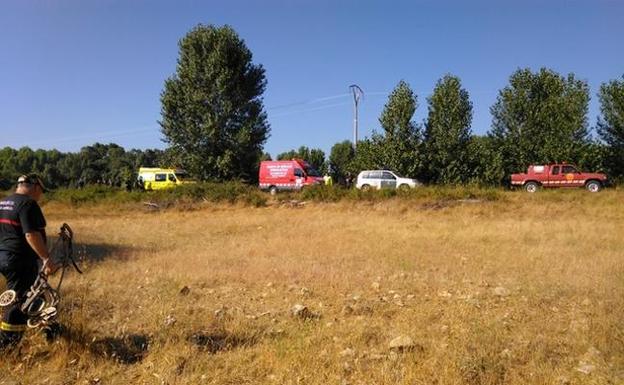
(309, 101)
(310, 109)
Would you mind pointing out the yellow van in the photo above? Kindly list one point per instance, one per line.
(153, 178)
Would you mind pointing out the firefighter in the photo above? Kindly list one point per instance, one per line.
(22, 245)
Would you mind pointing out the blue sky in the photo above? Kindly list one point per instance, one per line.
(73, 72)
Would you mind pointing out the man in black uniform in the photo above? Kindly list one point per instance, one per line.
(22, 244)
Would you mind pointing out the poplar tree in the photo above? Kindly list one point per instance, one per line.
(399, 149)
(611, 125)
(447, 133)
(212, 109)
(539, 118)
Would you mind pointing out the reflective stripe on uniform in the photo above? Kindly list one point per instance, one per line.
(10, 222)
(7, 327)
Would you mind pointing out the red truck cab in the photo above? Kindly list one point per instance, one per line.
(278, 175)
(557, 175)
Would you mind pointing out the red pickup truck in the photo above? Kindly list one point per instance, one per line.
(557, 175)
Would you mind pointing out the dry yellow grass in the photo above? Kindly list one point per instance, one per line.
(526, 290)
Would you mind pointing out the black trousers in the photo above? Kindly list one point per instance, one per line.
(20, 272)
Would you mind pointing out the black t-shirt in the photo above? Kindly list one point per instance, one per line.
(19, 214)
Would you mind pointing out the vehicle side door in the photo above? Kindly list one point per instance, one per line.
(171, 179)
(160, 180)
(299, 178)
(388, 180)
(374, 177)
(555, 177)
(572, 176)
(362, 179)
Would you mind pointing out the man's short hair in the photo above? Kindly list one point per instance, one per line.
(31, 179)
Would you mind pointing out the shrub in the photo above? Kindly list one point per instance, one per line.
(89, 194)
(230, 192)
(322, 193)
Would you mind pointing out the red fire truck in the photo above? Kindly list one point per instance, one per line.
(557, 175)
(276, 175)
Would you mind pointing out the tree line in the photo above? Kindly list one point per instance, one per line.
(214, 121)
(107, 164)
(214, 124)
(539, 117)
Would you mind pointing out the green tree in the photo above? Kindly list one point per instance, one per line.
(8, 173)
(485, 162)
(145, 158)
(447, 133)
(317, 160)
(70, 168)
(49, 170)
(24, 160)
(291, 154)
(212, 109)
(611, 125)
(594, 157)
(93, 164)
(340, 158)
(540, 117)
(370, 155)
(315, 157)
(97, 163)
(399, 148)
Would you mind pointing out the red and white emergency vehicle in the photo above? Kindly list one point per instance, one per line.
(278, 175)
(558, 175)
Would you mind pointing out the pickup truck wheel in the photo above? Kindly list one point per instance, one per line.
(365, 187)
(404, 187)
(593, 186)
(273, 190)
(531, 187)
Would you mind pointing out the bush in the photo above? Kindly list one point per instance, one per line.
(322, 193)
(89, 194)
(230, 192)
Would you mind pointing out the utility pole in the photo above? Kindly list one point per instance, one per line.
(357, 94)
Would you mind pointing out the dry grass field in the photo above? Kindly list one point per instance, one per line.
(527, 289)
